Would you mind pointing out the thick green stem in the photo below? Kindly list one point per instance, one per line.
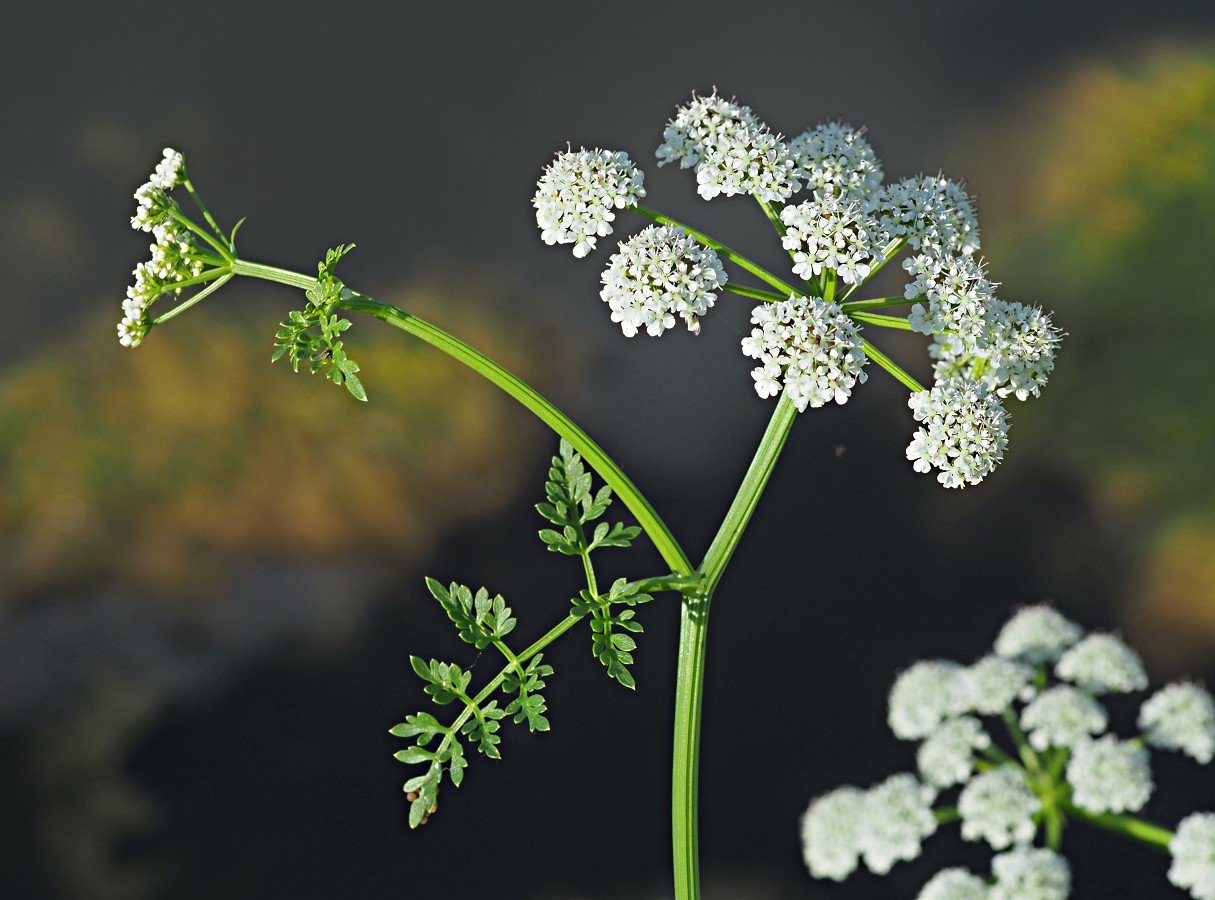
(594, 455)
(693, 639)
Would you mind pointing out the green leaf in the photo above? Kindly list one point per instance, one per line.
(414, 755)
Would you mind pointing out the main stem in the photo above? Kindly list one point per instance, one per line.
(693, 640)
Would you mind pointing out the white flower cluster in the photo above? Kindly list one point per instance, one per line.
(1041, 686)
(934, 215)
(847, 225)
(173, 253)
(1023, 873)
(963, 432)
(1193, 852)
(806, 347)
(1012, 351)
(830, 232)
(732, 151)
(661, 273)
(578, 192)
(834, 158)
(883, 825)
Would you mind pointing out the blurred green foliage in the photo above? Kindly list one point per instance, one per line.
(1105, 210)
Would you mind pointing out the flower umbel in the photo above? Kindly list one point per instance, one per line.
(1063, 766)
(578, 194)
(659, 274)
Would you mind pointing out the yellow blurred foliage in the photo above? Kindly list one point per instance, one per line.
(163, 465)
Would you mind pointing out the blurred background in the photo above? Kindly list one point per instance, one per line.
(211, 569)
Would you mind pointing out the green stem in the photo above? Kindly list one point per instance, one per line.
(754, 293)
(774, 218)
(892, 250)
(1024, 750)
(1127, 826)
(683, 584)
(197, 298)
(693, 640)
(946, 814)
(745, 501)
(882, 321)
(890, 366)
(221, 249)
(878, 303)
(722, 250)
(544, 410)
(206, 212)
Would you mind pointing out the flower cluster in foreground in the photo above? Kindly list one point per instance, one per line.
(840, 222)
(1041, 692)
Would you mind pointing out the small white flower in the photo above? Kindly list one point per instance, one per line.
(1031, 873)
(830, 232)
(170, 171)
(831, 833)
(732, 150)
(1101, 663)
(898, 816)
(1012, 352)
(1109, 775)
(946, 757)
(933, 213)
(995, 682)
(152, 207)
(1181, 717)
(813, 345)
(661, 273)
(1062, 717)
(577, 193)
(834, 158)
(958, 294)
(1036, 635)
(1193, 851)
(964, 433)
(997, 806)
(925, 695)
(955, 884)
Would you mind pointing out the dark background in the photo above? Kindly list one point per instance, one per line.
(210, 569)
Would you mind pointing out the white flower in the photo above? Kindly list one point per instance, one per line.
(732, 150)
(898, 816)
(946, 757)
(1062, 717)
(995, 682)
(997, 806)
(831, 833)
(958, 294)
(661, 273)
(933, 213)
(834, 158)
(1036, 635)
(152, 207)
(925, 695)
(813, 345)
(1193, 850)
(170, 171)
(1109, 775)
(1013, 352)
(1181, 717)
(964, 433)
(830, 232)
(955, 884)
(1100, 664)
(577, 193)
(1031, 873)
